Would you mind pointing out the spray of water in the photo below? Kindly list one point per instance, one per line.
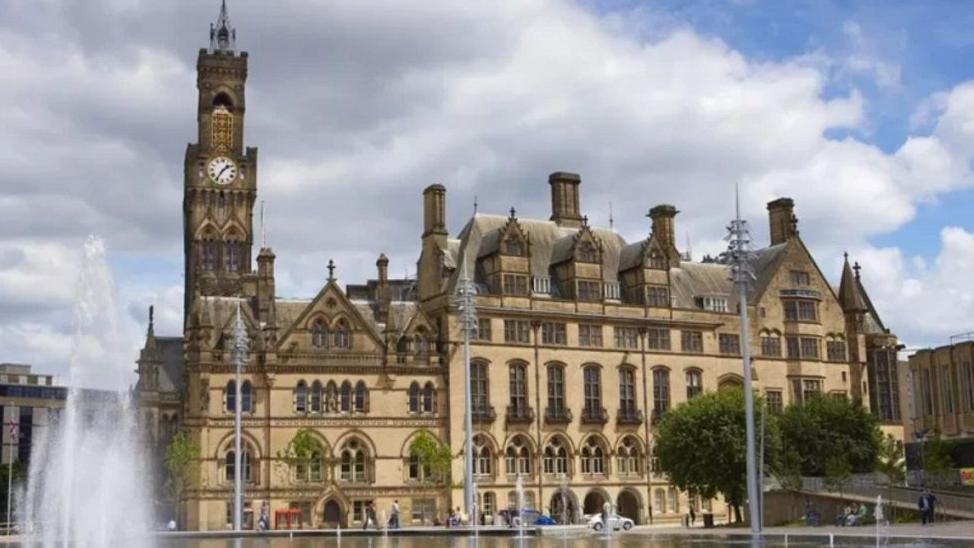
(87, 478)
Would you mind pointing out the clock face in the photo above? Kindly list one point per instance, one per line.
(222, 170)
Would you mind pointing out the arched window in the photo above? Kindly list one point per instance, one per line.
(301, 397)
(694, 383)
(414, 397)
(360, 397)
(221, 124)
(429, 398)
(230, 397)
(518, 388)
(314, 467)
(593, 457)
(556, 389)
(660, 501)
(232, 256)
(421, 348)
(517, 458)
(353, 467)
(346, 397)
(628, 462)
(210, 252)
(555, 459)
(246, 397)
(316, 397)
(341, 335)
(482, 457)
(229, 466)
(661, 392)
(627, 392)
(480, 400)
(593, 391)
(331, 397)
(319, 334)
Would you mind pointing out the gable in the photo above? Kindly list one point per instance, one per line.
(332, 309)
(777, 284)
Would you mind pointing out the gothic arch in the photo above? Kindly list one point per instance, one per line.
(565, 440)
(528, 441)
(404, 450)
(223, 96)
(246, 440)
(361, 436)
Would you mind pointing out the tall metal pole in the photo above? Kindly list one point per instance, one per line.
(764, 411)
(468, 322)
(10, 472)
(740, 239)
(239, 355)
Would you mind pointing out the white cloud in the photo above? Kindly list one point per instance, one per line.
(926, 302)
(357, 106)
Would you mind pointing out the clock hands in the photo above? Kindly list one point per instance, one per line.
(226, 167)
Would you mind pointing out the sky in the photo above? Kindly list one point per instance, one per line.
(863, 112)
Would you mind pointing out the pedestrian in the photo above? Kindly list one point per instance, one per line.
(394, 515)
(369, 517)
(928, 504)
(693, 517)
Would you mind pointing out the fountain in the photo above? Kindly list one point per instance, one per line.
(86, 481)
(519, 489)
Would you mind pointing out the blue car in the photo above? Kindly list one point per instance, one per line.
(544, 520)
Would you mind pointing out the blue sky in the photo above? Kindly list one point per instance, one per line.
(931, 44)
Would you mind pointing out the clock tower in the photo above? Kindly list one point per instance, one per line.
(220, 174)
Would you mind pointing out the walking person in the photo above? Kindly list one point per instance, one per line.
(394, 515)
(693, 517)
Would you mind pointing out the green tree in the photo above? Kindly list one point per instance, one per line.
(891, 463)
(890, 460)
(299, 451)
(431, 454)
(823, 427)
(937, 461)
(701, 446)
(182, 462)
(838, 472)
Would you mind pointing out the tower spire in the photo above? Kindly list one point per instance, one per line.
(223, 37)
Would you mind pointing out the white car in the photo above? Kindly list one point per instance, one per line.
(617, 522)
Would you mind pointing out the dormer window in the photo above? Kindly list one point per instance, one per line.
(713, 304)
(586, 252)
(515, 245)
(656, 260)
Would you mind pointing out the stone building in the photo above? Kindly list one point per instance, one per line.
(942, 403)
(584, 342)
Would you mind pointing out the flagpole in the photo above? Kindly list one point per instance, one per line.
(10, 473)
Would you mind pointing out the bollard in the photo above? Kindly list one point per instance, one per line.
(831, 540)
(786, 540)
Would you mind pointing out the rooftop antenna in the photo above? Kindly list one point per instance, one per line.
(475, 205)
(689, 249)
(263, 231)
(611, 220)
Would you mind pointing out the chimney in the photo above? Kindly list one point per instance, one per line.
(434, 210)
(664, 228)
(781, 215)
(564, 199)
(382, 289)
(265, 286)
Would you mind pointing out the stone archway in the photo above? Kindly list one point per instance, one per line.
(594, 501)
(628, 505)
(332, 515)
(563, 507)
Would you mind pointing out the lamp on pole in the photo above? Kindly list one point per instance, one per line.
(738, 253)
(468, 323)
(238, 356)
